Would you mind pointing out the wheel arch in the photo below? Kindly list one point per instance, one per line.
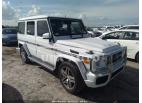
(136, 55)
(72, 60)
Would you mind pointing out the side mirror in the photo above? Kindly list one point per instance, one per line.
(90, 33)
(46, 36)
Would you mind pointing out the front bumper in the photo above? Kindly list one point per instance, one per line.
(99, 80)
(9, 41)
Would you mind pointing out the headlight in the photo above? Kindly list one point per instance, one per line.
(102, 61)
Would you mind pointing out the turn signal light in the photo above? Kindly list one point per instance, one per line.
(86, 60)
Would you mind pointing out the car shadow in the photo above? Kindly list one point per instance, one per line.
(11, 94)
(132, 60)
(122, 89)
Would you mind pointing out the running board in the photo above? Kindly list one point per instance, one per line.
(44, 64)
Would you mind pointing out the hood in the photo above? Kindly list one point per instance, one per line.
(9, 35)
(93, 44)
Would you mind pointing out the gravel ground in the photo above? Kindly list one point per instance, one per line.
(32, 83)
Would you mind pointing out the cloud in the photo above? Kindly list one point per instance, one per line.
(93, 12)
(9, 12)
(35, 10)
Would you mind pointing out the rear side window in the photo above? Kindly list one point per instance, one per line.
(21, 27)
(42, 27)
(131, 36)
(31, 28)
(133, 27)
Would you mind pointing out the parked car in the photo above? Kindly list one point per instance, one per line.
(63, 45)
(129, 27)
(9, 36)
(93, 33)
(129, 38)
(109, 28)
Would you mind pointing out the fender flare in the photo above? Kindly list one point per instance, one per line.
(75, 60)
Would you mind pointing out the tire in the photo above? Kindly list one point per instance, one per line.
(24, 56)
(137, 57)
(71, 78)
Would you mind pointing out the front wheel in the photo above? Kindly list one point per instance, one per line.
(71, 78)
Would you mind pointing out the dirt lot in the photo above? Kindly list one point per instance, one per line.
(32, 83)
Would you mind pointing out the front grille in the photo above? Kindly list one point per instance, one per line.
(116, 57)
(102, 70)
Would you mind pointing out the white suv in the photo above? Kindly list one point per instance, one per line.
(63, 45)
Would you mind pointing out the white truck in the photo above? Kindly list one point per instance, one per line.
(62, 45)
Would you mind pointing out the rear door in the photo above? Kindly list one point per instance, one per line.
(131, 40)
(30, 37)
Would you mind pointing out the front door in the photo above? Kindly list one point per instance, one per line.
(44, 47)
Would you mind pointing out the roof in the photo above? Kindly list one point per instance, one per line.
(34, 17)
(42, 16)
(130, 25)
(130, 30)
(125, 30)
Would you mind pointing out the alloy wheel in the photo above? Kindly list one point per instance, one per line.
(67, 78)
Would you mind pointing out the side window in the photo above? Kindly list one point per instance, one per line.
(123, 28)
(137, 36)
(21, 27)
(42, 27)
(131, 36)
(119, 35)
(30, 28)
(133, 27)
(111, 36)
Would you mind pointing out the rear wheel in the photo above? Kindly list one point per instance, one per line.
(24, 56)
(71, 78)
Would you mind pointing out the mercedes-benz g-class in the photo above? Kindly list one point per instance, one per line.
(62, 45)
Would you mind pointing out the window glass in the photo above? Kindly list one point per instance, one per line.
(67, 27)
(131, 36)
(76, 27)
(21, 27)
(9, 31)
(114, 35)
(30, 28)
(42, 28)
(133, 27)
(123, 28)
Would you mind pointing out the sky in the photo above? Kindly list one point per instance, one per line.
(92, 12)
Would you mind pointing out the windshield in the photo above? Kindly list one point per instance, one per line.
(9, 31)
(65, 27)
